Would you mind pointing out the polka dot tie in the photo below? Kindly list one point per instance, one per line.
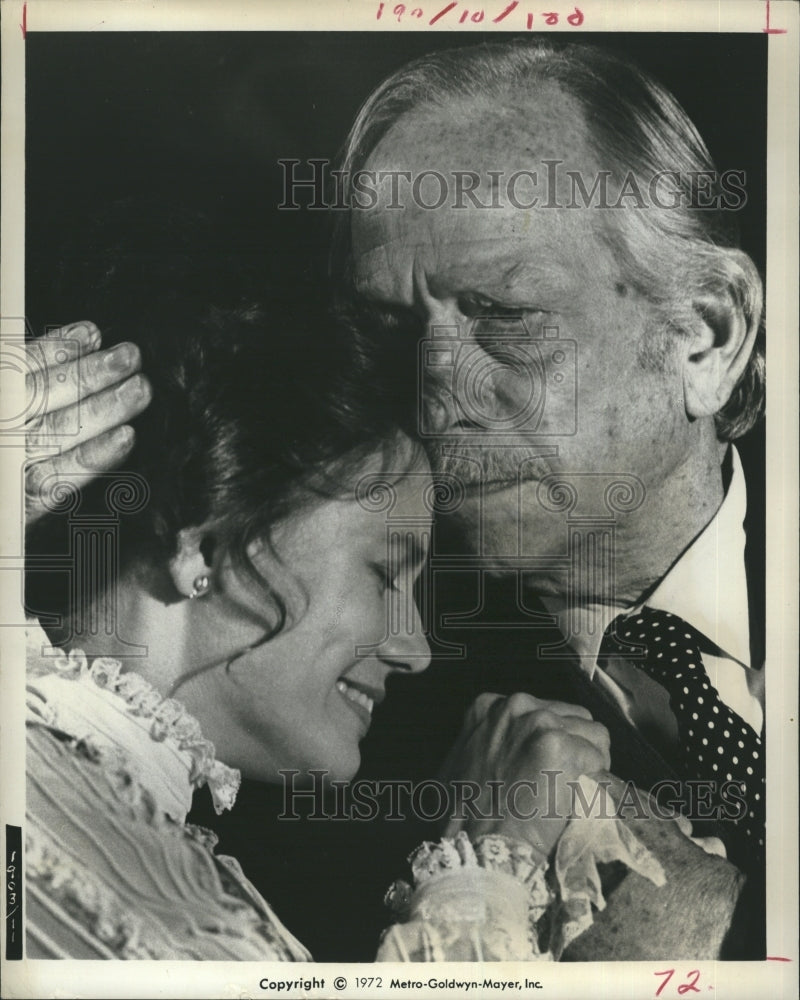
(716, 744)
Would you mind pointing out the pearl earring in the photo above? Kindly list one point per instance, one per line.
(200, 588)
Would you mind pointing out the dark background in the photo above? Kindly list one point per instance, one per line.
(197, 122)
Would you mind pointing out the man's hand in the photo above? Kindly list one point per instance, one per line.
(512, 742)
(687, 918)
(84, 398)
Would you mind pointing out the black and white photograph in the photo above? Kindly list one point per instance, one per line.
(400, 499)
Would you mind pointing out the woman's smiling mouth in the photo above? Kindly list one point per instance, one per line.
(355, 695)
(358, 701)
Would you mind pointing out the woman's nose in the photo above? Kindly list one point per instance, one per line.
(406, 645)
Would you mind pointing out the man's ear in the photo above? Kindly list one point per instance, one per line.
(716, 353)
(192, 560)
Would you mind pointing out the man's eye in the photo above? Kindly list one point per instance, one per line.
(472, 304)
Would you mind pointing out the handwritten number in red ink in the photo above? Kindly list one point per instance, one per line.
(669, 973)
(500, 17)
(690, 986)
(442, 12)
(400, 10)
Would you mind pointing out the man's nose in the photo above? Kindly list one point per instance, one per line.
(444, 314)
(406, 646)
(438, 309)
(441, 365)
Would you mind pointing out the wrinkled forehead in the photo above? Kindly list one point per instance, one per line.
(483, 134)
(421, 216)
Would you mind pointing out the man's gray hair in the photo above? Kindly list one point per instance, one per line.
(678, 257)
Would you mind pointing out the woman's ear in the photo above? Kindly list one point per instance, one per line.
(190, 567)
(716, 353)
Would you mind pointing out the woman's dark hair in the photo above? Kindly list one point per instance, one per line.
(254, 409)
(257, 407)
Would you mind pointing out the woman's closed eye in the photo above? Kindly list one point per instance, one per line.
(388, 576)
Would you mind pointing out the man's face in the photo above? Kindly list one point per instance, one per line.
(543, 287)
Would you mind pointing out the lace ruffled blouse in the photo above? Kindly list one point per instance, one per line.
(114, 871)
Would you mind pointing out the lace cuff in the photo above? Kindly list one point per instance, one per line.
(497, 889)
(469, 902)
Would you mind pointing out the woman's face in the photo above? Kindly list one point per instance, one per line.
(304, 699)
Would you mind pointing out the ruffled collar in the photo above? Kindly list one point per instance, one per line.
(123, 717)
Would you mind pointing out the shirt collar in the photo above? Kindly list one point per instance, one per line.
(584, 627)
(707, 587)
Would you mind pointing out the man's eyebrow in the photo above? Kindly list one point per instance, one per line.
(514, 271)
(553, 276)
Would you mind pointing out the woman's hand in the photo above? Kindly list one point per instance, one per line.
(522, 751)
(83, 398)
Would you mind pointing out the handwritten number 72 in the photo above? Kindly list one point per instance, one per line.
(688, 987)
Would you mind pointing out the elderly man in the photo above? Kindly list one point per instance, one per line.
(592, 334)
(531, 199)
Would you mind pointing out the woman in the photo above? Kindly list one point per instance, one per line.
(247, 577)
(237, 594)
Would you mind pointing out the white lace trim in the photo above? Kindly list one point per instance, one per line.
(573, 896)
(170, 723)
(492, 853)
(482, 899)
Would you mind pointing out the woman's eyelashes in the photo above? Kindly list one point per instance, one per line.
(391, 576)
(388, 576)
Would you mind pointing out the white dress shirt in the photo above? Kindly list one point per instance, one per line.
(707, 587)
